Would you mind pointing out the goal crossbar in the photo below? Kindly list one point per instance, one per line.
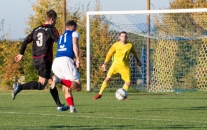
(148, 11)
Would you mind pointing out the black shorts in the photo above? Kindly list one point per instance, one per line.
(43, 67)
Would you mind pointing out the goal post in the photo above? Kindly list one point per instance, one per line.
(158, 34)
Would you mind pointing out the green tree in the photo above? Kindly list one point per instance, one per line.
(10, 71)
(1, 29)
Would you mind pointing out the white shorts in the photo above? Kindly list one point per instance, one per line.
(64, 68)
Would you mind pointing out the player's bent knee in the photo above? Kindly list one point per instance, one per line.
(128, 83)
(107, 79)
(40, 86)
(76, 86)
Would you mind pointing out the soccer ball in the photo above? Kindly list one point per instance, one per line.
(121, 94)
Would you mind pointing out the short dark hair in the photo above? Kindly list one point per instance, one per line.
(122, 32)
(50, 14)
(71, 23)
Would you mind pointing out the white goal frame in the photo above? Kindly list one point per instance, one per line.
(88, 87)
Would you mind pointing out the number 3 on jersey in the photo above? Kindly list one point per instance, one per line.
(39, 39)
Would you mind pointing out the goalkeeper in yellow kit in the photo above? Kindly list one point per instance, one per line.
(120, 52)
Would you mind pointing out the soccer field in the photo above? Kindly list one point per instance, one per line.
(143, 110)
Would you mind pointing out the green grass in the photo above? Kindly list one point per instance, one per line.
(146, 111)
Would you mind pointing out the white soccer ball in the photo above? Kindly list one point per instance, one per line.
(121, 94)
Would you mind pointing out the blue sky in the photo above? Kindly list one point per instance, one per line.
(16, 12)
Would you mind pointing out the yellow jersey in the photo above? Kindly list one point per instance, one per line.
(120, 53)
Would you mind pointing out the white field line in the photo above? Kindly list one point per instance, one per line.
(94, 117)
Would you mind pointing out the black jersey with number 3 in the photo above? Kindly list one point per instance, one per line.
(43, 38)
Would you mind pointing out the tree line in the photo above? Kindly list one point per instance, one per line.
(101, 39)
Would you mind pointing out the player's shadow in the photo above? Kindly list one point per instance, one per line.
(6, 108)
(174, 127)
(174, 109)
(44, 106)
(196, 108)
(92, 127)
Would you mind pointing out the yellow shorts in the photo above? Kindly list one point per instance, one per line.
(124, 71)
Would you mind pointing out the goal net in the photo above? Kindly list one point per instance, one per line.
(177, 52)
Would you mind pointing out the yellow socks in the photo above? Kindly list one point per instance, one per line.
(126, 87)
(103, 87)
